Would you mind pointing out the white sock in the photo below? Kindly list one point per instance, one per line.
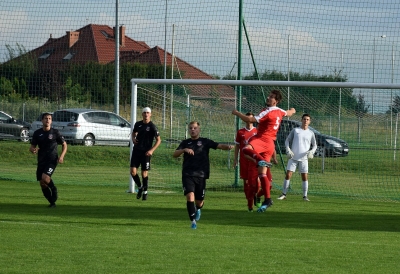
(305, 188)
(286, 184)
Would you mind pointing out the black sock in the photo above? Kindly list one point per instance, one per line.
(191, 210)
(54, 191)
(145, 183)
(47, 194)
(137, 180)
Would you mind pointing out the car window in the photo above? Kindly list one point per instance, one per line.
(101, 118)
(116, 121)
(4, 118)
(65, 116)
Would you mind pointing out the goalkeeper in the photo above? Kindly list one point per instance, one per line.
(301, 139)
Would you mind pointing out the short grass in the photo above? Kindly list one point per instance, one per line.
(102, 229)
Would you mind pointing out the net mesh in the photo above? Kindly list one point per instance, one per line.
(58, 55)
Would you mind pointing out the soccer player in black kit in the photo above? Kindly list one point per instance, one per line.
(143, 134)
(48, 139)
(196, 169)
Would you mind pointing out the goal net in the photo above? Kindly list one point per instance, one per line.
(357, 151)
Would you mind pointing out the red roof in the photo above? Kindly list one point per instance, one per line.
(96, 43)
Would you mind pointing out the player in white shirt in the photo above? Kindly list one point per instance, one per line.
(301, 139)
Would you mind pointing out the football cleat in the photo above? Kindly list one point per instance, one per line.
(257, 201)
(305, 199)
(265, 205)
(198, 215)
(139, 193)
(282, 197)
(264, 163)
(193, 225)
(144, 196)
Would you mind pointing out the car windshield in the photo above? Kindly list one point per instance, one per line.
(65, 116)
(314, 130)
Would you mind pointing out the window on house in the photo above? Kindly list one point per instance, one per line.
(69, 56)
(46, 54)
(105, 34)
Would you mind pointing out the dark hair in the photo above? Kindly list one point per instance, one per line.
(305, 115)
(278, 95)
(194, 122)
(46, 114)
(249, 114)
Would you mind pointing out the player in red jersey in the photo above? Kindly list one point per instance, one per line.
(248, 169)
(261, 146)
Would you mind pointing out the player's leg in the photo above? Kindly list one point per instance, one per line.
(303, 168)
(43, 174)
(249, 194)
(199, 195)
(244, 174)
(188, 187)
(290, 168)
(135, 163)
(145, 175)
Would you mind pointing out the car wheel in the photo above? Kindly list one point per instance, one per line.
(24, 135)
(320, 152)
(88, 140)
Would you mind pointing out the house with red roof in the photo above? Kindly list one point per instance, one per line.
(96, 43)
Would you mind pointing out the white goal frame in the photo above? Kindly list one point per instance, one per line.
(136, 81)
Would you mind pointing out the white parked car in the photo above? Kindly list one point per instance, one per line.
(89, 127)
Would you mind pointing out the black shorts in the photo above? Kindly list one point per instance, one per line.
(197, 185)
(139, 158)
(46, 168)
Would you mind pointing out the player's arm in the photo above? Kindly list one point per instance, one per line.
(290, 137)
(134, 141)
(180, 150)
(33, 149)
(224, 147)
(236, 161)
(158, 142)
(243, 117)
(313, 144)
(290, 112)
(64, 148)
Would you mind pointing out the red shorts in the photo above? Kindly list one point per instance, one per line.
(264, 147)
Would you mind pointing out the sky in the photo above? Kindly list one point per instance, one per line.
(321, 37)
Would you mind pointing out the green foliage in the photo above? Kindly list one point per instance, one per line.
(361, 107)
(394, 108)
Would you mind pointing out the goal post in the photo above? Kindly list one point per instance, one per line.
(364, 149)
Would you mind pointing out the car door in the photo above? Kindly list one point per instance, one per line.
(7, 125)
(120, 128)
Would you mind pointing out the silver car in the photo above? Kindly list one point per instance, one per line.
(89, 127)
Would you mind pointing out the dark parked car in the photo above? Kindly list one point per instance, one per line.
(11, 128)
(328, 146)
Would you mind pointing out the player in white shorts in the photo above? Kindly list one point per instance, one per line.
(301, 139)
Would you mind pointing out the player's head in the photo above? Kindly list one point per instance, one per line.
(274, 97)
(194, 129)
(146, 113)
(44, 114)
(46, 119)
(250, 114)
(305, 119)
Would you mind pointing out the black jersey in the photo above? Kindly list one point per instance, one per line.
(47, 142)
(145, 135)
(197, 165)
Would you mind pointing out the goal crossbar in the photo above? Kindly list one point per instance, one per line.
(136, 81)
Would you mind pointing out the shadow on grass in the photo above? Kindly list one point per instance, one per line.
(143, 213)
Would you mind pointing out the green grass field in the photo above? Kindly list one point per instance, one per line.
(102, 229)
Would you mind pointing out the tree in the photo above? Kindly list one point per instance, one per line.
(361, 107)
(394, 106)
